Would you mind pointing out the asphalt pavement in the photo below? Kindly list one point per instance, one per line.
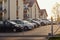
(36, 34)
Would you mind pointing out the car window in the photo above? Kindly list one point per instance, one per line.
(19, 22)
(7, 23)
(13, 22)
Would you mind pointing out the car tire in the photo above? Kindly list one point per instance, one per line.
(42, 24)
(14, 30)
(25, 28)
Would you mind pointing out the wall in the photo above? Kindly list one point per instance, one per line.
(35, 11)
(20, 8)
(11, 9)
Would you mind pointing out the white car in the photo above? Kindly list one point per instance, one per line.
(28, 23)
(36, 22)
(44, 21)
(41, 21)
(33, 21)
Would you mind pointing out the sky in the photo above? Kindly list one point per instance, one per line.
(47, 4)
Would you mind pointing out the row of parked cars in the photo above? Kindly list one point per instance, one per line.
(22, 25)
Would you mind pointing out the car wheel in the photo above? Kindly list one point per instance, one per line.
(25, 28)
(14, 30)
(42, 24)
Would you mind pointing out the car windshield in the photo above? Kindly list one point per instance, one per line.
(18, 21)
(12, 22)
(25, 21)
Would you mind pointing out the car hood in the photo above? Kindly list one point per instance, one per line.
(28, 24)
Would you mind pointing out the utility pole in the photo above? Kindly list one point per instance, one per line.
(52, 26)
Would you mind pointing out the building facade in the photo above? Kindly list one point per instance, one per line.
(11, 9)
(35, 10)
(20, 9)
(43, 14)
(32, 9)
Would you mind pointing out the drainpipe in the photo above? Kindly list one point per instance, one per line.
(17, 10)
(8, 9)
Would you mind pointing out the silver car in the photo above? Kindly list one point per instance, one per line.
(25, 24)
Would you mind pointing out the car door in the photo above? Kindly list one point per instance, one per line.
(8, 26)
(1, 26)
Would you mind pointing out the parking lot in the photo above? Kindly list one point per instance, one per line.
(42, 30)
(37, 33)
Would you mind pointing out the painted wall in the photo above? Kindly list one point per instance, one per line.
(35, 11)
(30, 12)
(44, 16)
(20, 8)
(11, 9)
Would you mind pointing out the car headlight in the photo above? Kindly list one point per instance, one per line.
(17, 25)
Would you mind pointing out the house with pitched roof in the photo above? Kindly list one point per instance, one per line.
(43, 14)
(32, 9)
(35, 9)
(19, 9)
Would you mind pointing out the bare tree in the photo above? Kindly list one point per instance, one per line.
(56, 11)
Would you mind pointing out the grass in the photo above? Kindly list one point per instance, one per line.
(54, 38)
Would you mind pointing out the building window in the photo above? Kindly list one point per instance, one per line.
(0, 6)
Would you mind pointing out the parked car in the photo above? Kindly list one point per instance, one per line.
(9, 26)
(26, 25)
(43, 21)
(46, 21)
(32, 24)
(54, 23)
(35, 25)
(33, 21)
